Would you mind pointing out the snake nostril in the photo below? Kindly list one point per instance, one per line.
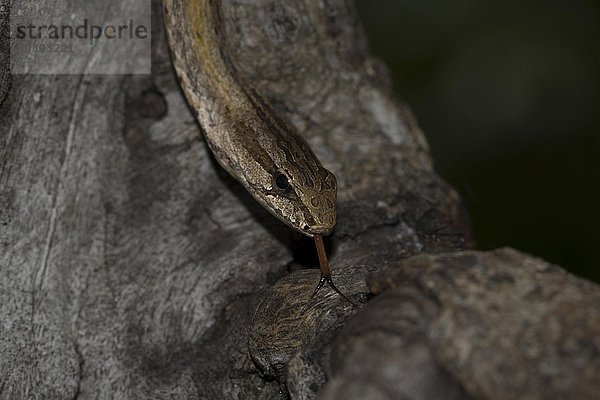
(315, 201)
(305, 227)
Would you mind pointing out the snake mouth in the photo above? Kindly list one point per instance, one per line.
(319, 229)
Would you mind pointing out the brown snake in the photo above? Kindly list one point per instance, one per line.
(261, 151)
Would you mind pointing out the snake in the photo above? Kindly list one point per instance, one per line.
(258, 148)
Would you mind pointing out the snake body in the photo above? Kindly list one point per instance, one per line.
(260, 150)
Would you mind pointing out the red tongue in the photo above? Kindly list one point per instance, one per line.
(324, 264)
(325, 272)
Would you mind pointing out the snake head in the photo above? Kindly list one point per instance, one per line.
(304, 199)
(279, 169)
(297, 190)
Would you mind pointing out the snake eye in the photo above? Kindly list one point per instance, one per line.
(282, 181)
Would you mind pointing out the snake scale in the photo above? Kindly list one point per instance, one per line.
(260, 150)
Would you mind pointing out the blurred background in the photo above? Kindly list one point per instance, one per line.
(508, 95)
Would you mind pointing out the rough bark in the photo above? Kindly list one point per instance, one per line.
(132, 266)
(495, 325)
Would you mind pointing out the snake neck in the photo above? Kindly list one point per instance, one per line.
(197, 49)
(226, 107)
(243, 132)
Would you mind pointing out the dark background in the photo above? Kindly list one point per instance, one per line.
(508, 95)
